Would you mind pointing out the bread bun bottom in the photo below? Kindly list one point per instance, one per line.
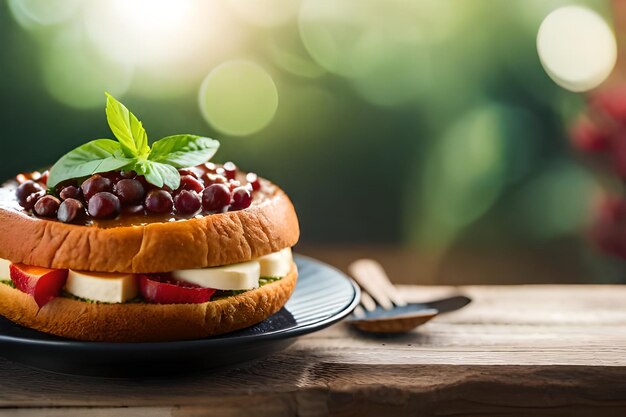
(142, 322)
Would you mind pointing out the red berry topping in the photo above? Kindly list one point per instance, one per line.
(187, 202)
(253, 180)
(189, 171)
(104, 205)
(130, 191)
(96, 184)
(190, 183)
(32, 199)
(159, 201)
(25, 190)
(134, 210)
(214, 179)
(242, 198)
(70, 192)
(70, 210)
(216, 197)
(230, 170)
(47, 206)
(44, 177)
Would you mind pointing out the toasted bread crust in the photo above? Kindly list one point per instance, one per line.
(138, 322)
(268, 225)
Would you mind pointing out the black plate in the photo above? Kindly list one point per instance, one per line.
(322, 297)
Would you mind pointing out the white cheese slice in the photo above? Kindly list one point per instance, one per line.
(104, 287)
(5, 272)
(277, 264)
(242, 276)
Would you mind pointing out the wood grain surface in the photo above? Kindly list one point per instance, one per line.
(515, 351)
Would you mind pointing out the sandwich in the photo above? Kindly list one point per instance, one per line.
(120, 241)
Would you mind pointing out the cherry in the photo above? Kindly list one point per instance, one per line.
(47, 206)
(25, 189)
(128, 174)
(129, 191)
(215, 197)
(187, 202)
(44, 177)
(96, 184)
(103, 205)
(232, 184)
(253, 180)
(32, 199)
(190, 183)
(70, 210)
(159, 201)
(242, 198)
(134, 210)
(70, 192)
(214, 179)
(230, 170)
(189, 171)
(210, 167)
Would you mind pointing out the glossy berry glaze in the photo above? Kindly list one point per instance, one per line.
(119, 198)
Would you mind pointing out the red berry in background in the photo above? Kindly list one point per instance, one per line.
(104, 205)
(216, 197)
(242, 198)
(96, 184)
(609, 229)
(618, 154)
(611, 103)
(25, 190)
(47, 206)
(159, 201)
(190, 183)
(253, 180)
(187, 202)
(230, 170)
(129, 191)
(587, 136)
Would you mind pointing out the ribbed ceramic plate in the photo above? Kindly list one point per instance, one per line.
(322, 297)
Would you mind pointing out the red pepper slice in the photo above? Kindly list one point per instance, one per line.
(166, 290)
(43, 284)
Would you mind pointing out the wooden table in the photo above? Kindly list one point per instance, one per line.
(515, 351)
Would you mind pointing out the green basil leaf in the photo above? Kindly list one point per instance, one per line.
(182, 151)
(127, 129)
(159, 174)
(100, 155)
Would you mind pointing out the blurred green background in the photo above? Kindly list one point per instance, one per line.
(425, 124)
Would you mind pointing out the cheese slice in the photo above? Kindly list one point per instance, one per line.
(277, 264)
(241, 276)
(104, 287)
(5, 272)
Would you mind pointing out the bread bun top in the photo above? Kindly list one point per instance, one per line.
(268, 225)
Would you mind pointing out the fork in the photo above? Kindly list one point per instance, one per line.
(383, 309)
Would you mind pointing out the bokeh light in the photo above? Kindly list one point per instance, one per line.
(30, 13)
(238, 98)
(265, 13)
(78, 76)
(577, 48)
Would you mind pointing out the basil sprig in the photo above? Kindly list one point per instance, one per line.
(159, 163)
